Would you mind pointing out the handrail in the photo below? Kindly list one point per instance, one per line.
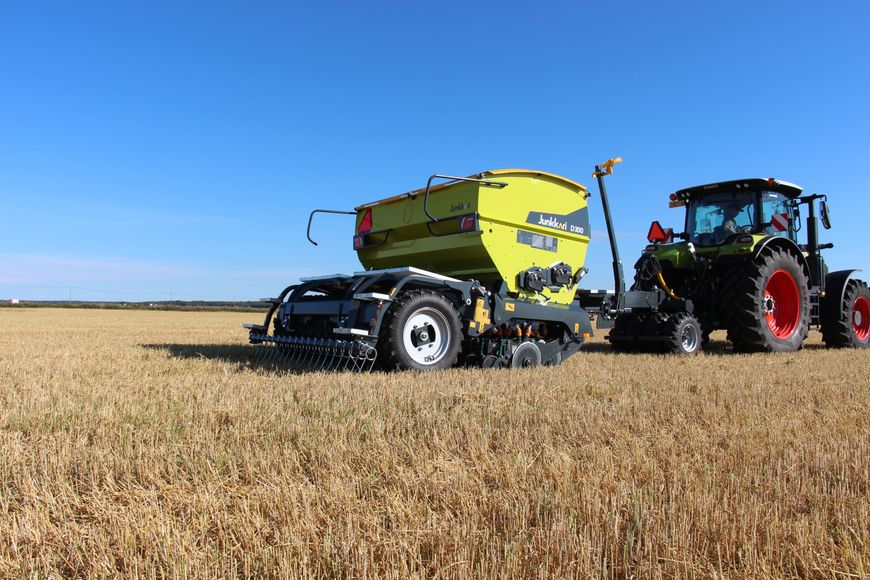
(454, 179)
(311, 217)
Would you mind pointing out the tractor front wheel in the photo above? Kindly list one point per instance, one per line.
(766, 304)
(423, 333)
(851, 326)
(684, 334)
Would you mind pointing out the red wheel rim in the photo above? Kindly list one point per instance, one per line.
(782, 304)
(861, 318)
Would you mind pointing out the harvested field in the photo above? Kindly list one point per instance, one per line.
(141, 443)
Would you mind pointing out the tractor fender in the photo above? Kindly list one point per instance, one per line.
(785, 244)
(835, 291)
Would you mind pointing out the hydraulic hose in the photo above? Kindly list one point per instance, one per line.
(664, 284)
(649, 268)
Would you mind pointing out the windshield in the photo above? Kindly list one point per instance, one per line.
(714, 218)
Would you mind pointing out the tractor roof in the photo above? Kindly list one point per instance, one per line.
(770, 184)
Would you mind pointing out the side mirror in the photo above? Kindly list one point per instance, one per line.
(825, 212)
(659, 235)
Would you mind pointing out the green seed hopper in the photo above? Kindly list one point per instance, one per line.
(509, 225)
(480, 270)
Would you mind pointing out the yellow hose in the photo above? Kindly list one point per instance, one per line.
(667, 290)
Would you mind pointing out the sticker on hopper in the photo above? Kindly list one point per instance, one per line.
(548, 243)
(576, 222)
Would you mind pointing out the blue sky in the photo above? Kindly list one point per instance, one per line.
(149, 148)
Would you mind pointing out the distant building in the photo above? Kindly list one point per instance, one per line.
(14, 301)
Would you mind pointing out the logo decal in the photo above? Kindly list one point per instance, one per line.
(574, 223)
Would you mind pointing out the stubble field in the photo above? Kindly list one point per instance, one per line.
(143, 443)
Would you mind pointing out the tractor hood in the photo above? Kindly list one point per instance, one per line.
(679, 256)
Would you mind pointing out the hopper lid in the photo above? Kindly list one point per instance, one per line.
(481, 175)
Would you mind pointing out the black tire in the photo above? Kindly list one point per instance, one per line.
(684, 334)
(851, 325)
(554, 360)
(749, 312)
(492, 362)
(443, 335)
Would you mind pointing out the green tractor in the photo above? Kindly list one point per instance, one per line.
(739, 266)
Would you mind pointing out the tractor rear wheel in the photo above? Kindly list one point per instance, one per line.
(423, 332)
(684, 334)
(766, 304)
(852, 327)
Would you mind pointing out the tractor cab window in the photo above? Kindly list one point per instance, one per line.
(777, 215)
(714, 218)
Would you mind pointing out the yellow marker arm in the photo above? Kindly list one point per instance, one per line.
(606, 168)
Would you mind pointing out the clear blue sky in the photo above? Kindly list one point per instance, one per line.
(179, 146)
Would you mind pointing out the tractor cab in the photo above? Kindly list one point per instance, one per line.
(720, 213)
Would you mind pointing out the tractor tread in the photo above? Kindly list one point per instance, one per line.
(672, 330)
(838, 333)
(740, 303)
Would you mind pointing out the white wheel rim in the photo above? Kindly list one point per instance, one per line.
(426, 336)
(689, 338)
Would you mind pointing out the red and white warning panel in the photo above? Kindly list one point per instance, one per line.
(779, 221)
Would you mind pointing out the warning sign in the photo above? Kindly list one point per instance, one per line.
(779, 222)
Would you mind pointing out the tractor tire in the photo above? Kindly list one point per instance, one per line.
(684, 334)
(423, 332)
(852, 327)
(765, 305)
